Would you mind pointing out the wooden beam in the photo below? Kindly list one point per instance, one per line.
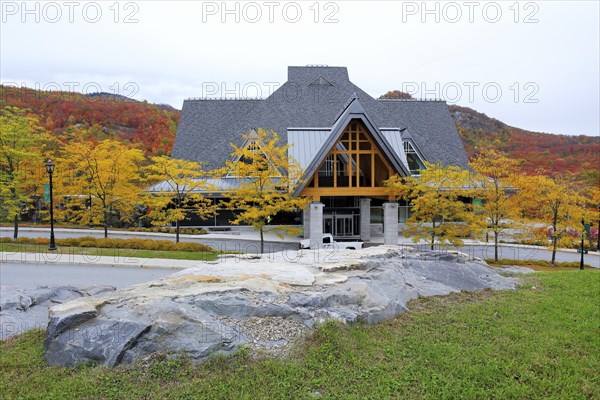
(362, 191)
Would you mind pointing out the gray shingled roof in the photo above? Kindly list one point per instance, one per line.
(207, 127)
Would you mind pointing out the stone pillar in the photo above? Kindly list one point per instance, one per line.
(390, 223)
(306, 222)
(365, 219)
(316, 225)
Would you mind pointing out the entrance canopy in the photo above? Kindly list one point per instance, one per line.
(354, 160)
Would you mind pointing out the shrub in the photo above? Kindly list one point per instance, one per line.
(183, 231)
(187, 246)
(540, 263)
(134, 243)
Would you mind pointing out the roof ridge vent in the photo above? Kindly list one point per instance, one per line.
(222, 98)
(317, 65)
(413, 99)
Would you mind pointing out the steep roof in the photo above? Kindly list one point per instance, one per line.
(353, 111)
(312, 97)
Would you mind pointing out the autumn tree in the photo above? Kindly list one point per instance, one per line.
(495, 173)
(591, 210)
(99, 180)
(595, 202)
(266, 178)
(20, 162)
(555, 202)
(438, 213)
(180, 194)
(396, 95)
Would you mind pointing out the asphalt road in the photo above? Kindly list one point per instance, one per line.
(250, 246)
(29, 276)
(233, 244)
(524, 253)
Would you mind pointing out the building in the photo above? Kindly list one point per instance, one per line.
(347, 142)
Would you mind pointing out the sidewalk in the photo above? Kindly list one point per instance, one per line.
(251, 235)
(59, 257)
(244, 234)
(404, 241)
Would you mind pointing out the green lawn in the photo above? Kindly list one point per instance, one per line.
(131, 253)
(542, 341)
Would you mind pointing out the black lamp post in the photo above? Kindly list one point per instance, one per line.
(582, 244)
(50, 169)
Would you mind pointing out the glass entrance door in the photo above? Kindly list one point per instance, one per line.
(344, 225)
(328, 225)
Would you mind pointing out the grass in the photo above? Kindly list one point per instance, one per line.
(537, 265)
(183, 230)
(127, 253)
(542, 340)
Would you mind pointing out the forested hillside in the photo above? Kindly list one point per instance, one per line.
(150, 126)
(559, 153)
(543, 152)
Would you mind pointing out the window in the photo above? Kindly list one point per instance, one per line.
(259, 157)
(354, 161)
(327, 169)
(415, 164)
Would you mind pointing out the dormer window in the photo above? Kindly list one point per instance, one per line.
(258, 156)
(414, 161)
(253, 147)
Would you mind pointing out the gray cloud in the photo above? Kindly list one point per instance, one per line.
(542, 56)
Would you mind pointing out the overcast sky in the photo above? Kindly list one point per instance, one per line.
(534, 65)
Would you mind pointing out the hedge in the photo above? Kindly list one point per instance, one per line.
(539, 263)
(183, 231)
(139, 244)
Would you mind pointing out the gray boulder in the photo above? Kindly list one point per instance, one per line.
(22, 310)
(217, 307)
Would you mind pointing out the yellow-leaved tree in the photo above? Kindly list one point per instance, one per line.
(266, 180)
(99, 182)
(179, 195)
(496, 174)
(21, 162)
(554, 202)
(593, 211)
(440, 211)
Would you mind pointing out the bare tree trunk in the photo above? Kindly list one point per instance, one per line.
(105, 225)
(16, 227)
(554, 239)
(262, 241)
(495, 246)
(176, 231)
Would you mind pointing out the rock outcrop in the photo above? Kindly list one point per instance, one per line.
(261, 303)
(23, 310)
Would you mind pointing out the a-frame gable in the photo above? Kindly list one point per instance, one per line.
(353, 111)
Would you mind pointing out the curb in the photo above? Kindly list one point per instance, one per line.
(24, 260)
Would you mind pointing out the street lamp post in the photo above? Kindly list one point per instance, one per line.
(50, 170)
(582, 244)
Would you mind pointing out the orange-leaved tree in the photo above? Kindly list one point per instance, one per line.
(555, 202)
